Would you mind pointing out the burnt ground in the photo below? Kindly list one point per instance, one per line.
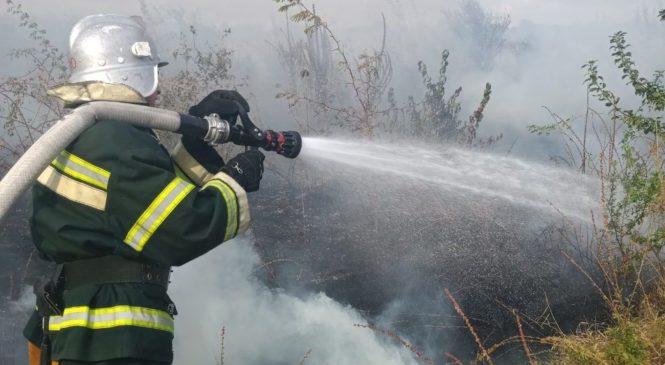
(389, 252)
(390, 249)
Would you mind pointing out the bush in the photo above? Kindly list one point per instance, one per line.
(364, 80)
(25, 109)
(436, 116)
(628, 230)
(366, 76)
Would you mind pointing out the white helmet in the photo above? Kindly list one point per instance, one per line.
(114, 49)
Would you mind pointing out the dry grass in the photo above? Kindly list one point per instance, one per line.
(631, 341)
(418, 354)
(485, 355)
(636, 336)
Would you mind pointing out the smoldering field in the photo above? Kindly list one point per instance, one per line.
(336, 244)
(387, 241)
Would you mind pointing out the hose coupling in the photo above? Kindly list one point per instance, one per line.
(219, 130)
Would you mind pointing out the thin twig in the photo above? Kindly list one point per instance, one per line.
(459, 311)
(399, 339)
(455, 360)
(221, 353)
(302, 362)
(593, 282)
(523, 338)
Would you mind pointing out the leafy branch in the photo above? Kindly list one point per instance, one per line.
(26, 111)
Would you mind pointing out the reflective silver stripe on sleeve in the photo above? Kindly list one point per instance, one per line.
(157, 212)
(81, 169)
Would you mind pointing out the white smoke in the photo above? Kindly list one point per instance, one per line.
(265, 326)
(25, 302)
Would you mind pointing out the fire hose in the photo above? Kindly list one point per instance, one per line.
(212, 129)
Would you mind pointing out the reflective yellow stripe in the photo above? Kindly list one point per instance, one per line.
(231, 207)
(81, 169)
(241, 199)
(157, 212)
(71, 189)
(110, 317)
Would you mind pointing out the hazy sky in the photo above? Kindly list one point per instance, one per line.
(262, 11)
(562, 35)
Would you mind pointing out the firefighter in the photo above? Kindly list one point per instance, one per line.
(115, 210)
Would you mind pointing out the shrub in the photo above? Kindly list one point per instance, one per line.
(25, 109)
(629, 234)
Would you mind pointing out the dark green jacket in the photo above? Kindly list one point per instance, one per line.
(116, 191)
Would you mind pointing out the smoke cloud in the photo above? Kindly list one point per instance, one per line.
(265, 326)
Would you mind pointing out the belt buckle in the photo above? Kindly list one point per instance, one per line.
(147, 273)
(153, 274)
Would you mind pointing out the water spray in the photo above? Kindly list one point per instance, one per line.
(461, 172)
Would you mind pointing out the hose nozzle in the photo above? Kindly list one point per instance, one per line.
(214, 130)
(287, 144)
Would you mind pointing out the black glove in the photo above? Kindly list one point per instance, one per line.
(246, 169)
(222, 102)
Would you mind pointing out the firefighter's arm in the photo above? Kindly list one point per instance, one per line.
(159, 214)
(196, 159)
(199, 162)
(167, 218)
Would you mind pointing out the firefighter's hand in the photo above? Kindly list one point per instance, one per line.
(223, 102)
(246, 169)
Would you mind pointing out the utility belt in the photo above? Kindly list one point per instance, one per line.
(111, 269)
(97, 271)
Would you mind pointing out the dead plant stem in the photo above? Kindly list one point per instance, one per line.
(459, 311)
